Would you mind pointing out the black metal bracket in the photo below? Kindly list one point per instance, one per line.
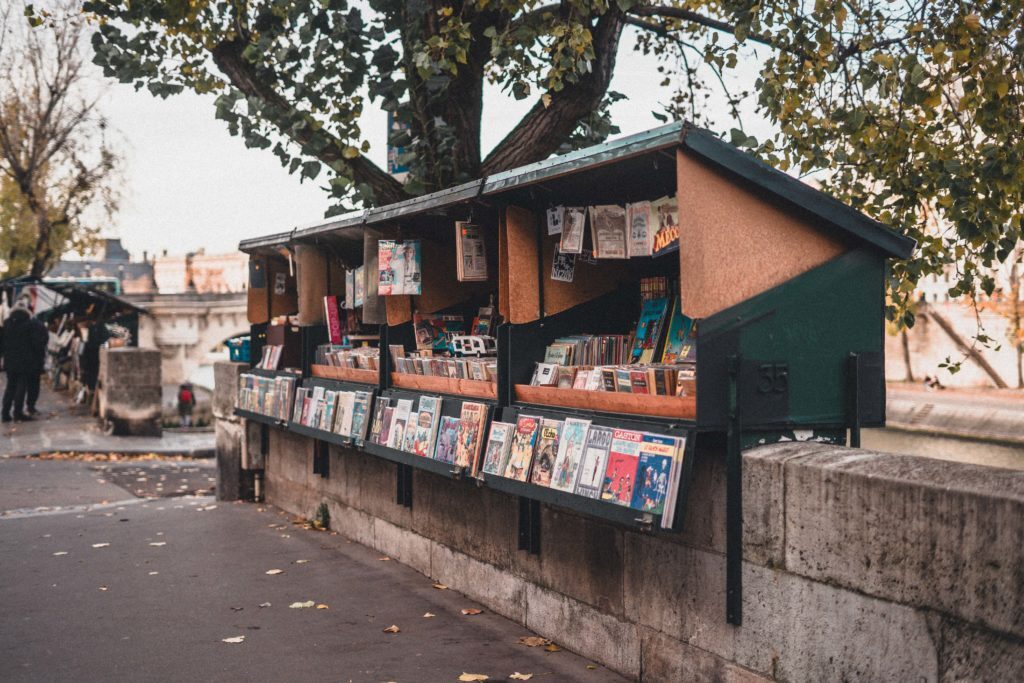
(529, 525)
(321, 458)
(853, 371)
(403, 478)
(734, 500)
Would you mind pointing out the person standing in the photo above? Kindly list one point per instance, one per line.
(186, 402)
(40, 339)
(17, 355)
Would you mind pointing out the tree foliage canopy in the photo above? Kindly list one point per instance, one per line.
(909, 110)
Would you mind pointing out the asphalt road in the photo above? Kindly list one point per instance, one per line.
(97, 584)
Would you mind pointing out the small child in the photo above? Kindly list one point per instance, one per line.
(186, 401)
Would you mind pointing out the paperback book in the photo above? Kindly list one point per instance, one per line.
(399, 421)
(499, 442)
(426, 425)
(471, 428)
(447, 439)
(654, 470)
(521, 454)
(595, 462)
(608, 230)
(620, 474)
(641, 236)
(665, 214)
(570, 454)
(573, 230)
(470, 254)
(545, 452)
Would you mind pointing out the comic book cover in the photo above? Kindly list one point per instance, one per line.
(498, 444)
(385, 269)
(471, 427)
(620, 475)
(346, 404)
(648, 330)
(399, 420)
(408, 268)
(678, 337)
(653, 473)
(570, 454)
(545, 452)
(426, 425)
(377, 425)
(360, 410)
(665, 221)
(434, 331)
(521, 454)
(360, 286)
(595, 461)
(447, 439)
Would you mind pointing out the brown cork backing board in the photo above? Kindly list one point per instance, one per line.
(502, 266)
(733, 244)
(346, 374)
(257, 306)
(523, 293)
(679, 407)
(399, 309)
(374, 312)
(311, 283)
(285, 303)
(445, 385)
(589, 280)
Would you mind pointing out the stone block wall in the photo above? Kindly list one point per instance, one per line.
(129, 391)
(858, 566)
(233, 483)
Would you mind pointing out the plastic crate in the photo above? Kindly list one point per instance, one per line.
(238, 349)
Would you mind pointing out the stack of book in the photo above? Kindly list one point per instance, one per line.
(345, 413)
(659, 379)
(634, 469)
(271, 357)
(482, 369)
(421, 429)
(585, 349)
(270, 396)
(363, 358)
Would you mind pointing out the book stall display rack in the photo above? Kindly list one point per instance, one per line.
(734, 306)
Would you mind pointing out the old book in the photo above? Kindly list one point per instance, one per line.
(385, 431)
(641, 236)
(523, 441)
(609, 380)
(377, 424)
(678, 334)
(648, 330)
(608, 230)
(399, 420)
(350, 289)
(665, 221)
(623, 381)
(360, 413)
(555, 216)
(654, 469)
(347, 403)
(573, 227)
(471, 258)
(385, 267)
(499, 442)
(360, 287)
(333, 319)
(545, 452)
(571, 445)
(426, 425)
(674, 482)
(620, 474)
(471, 434)
(566, 377)
(447, 439)
(581, 379)
(434, 331)
(546, 375)
(595, 462)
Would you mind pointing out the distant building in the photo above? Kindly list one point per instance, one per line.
(201, 273)
(113, 260)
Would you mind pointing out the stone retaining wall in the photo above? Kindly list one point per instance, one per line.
(857, 565)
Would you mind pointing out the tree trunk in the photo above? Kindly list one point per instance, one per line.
(905, 342)
(1015, 320)
(971, 352)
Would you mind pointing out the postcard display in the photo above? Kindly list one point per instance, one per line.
(667, 296)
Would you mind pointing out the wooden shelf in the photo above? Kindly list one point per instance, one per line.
(445, 385)
(346, 374)
(674, 407)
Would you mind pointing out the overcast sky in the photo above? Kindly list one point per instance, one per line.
(190, 184)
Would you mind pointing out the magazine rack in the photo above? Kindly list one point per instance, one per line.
(787, 286)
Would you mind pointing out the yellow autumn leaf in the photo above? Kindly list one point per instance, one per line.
(551, 647)
(274, 572)
(392, 629)
(302, 605)
(520, 677)
(472, 677)
(236, 639)
(440, 586)
(972, 21)
(350, 152)
(429, 615)
(533, 641)
(322, 606)
(471, 610)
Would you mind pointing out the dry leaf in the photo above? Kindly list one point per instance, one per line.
(301, 605)
(236, 639)
(158, 543)
(520, 677)
(153, 573)
(591, 666)
(237, 609)
(392, 629)
(551, 647)
(103, 588)
(322, 606)
(472, 677)
(100, 545)
(264, 604)
(384, 559)
(472, 610)
(274, 572)
(61, 552)
(533, 641)
(428, 615)
(440, 586)
(301, 561)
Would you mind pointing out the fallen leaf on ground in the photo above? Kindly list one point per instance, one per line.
(551, 647)
(322, 606)
(301, 561)
(264, 604)
(392, 629)
(520, 677)
(274, 572)
(533, 641)
(236, 639)
(440, 586)
(100, 545)
(591, 666)
(237, 609)
(103, 588)
(428, 615)
(301, 605)
(158, 544)
(61, 552)
(472, 610)
(472, 677)
(153, 573)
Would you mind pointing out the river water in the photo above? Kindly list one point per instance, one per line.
(943, 448)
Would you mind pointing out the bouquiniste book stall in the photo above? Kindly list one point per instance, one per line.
(574, 331)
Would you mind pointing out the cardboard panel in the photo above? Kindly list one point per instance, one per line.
(258, 305)
(311, 279)
(523, 287)
(589, 280)
(734, 244)
(283, 297)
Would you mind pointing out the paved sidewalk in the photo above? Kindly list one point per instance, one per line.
(149, 589)
(63, 426)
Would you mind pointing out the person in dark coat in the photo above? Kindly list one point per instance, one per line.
(40, 340)
(18, 355)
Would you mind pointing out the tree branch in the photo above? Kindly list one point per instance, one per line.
(695, 18)
(227, 55)
(544, 128)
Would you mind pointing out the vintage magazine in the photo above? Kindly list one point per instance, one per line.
(546, 452)
(608, 230)
(570, 454)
